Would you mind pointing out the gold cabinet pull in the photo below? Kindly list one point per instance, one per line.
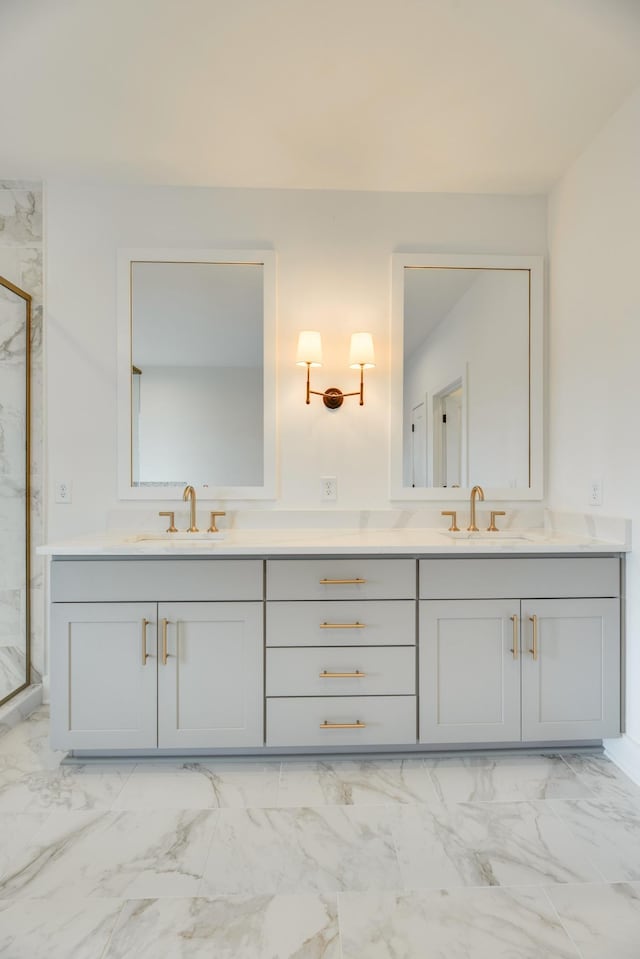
(356, 725)
(514, 648)
(145, 654)
(342, 625)
(342, 582)
(165, 652)
(534, 649)
(355, 675)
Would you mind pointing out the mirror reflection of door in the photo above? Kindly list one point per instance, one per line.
(419, 445)
(448, 433)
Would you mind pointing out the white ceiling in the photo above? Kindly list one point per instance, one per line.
(425, 95)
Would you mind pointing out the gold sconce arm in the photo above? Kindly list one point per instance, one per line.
(333, 398)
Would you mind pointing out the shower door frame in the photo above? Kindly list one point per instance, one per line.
(7, 284)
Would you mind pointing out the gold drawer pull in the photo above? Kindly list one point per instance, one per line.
(342, 582)
(165, 652)
(357, 725)
(534, 650)
(145, 654)
(342, 625)
(356, 675)
(514, 648)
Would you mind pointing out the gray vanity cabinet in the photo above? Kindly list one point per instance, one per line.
(571, 672)
(469, 679)
(103, 676)
(340, 657)
(524, 668)
(210, 684)
(172, 672)
(180, 655)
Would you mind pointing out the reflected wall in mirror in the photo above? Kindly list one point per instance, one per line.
(467, 381)
(15, 364)
(200, 383)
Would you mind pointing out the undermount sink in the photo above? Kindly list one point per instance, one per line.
(179, 537)
(484, 536)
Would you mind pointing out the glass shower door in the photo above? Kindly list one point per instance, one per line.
(15, 330)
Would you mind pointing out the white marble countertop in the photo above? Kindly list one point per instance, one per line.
(317, 542)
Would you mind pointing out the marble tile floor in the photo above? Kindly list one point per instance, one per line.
(472, 857)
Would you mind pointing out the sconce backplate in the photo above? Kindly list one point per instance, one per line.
(333, 398)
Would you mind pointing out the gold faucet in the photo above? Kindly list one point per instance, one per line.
(190, 494)
(479, 492)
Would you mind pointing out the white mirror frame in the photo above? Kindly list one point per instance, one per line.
(535, 265)
(264, 258)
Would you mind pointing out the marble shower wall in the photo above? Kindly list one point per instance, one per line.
(21, 262)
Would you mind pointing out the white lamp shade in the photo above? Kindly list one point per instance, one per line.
(361, 353)
(309, 348)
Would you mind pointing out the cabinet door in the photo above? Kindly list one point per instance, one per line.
(103, 676)
(571, 686)
(469, 675)
(210, 683)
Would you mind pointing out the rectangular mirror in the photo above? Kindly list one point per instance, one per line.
(196, 373)
(466, 387)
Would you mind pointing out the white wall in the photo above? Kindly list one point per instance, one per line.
(333, 251)
(594, 348)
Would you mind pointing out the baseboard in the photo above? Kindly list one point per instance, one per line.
(625, 753)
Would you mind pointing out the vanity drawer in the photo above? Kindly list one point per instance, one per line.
(366, 623)
(341, 579)
(519, 578)
(149, 580)
(386, 720)
(387, 671)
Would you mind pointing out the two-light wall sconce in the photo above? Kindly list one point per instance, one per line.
(361, 357)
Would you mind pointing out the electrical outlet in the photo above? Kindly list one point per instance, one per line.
(595, 492)
(328, 489)
(62, 491)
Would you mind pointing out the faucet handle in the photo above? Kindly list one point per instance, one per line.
(492, 528)
(454, 528)
(213, 528)
(172, 528)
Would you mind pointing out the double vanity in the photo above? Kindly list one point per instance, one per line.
(334, 641)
